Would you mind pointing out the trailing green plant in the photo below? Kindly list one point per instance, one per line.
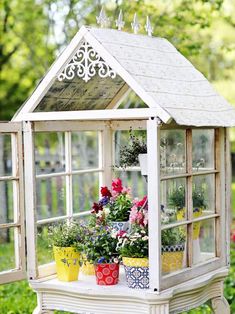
(67, 235)
(100, 245)
(129, 153)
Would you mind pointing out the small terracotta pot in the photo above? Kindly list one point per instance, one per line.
(107, 274)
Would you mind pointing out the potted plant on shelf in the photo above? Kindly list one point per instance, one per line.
(133, 247)
(173, 246)
(101, 250)
(134, 153)
(67, 240)
(177, 200)
(114, 206)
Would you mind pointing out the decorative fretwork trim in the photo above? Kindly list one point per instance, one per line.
(85, 64)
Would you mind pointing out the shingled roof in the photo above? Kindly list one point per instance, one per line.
(152, 67)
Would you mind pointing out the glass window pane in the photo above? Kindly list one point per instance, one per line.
(6, 202)
(7, 249)
(49, 152)
(172, 195)
(203, 195)
(51, 197)
(44, 251)
(5, 155)
(134, 180)
(203, 150)
(85, 154)
(85, 191)
(203, 240)
(172, 152)
(122, 139)
(174, 249)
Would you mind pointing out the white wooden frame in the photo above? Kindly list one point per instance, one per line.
(19, 272)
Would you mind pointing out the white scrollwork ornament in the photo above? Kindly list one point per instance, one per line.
(85, 64)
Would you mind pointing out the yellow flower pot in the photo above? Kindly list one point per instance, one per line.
(172, 258)
(135, 262)
(67, 263)
(88, 269)
(197, 225)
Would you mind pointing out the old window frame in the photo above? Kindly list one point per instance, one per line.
(14, 129)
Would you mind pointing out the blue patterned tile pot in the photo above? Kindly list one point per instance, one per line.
(120, 225)
(137, 272)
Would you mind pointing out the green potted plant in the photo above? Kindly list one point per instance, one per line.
(134, 153)
(173, 246)
(177, 201)
(100, 249)
(67, 240)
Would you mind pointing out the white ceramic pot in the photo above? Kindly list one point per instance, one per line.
(143, 164)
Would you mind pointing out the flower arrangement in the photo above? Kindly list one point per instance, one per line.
(135, 242)
(101, 245)
(114, 205)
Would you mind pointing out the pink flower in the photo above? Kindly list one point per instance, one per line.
(121, 234)
(126, 190)
(117, 185)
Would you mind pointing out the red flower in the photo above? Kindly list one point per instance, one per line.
(117, 185)
(121, 233)
(142, 202)
(96, 208)
(233, 236)
(105, 191)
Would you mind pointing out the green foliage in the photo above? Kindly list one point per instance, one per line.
(65, 235)
(229, 284)
(129, 153)
(135, 243)
(173, 236)
(177, 198)
(100, 245)
(120, 208)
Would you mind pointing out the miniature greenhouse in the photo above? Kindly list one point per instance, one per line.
(73, 131)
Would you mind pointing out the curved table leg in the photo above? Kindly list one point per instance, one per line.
(220, 305)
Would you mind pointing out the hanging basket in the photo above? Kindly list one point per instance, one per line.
(137, 272)
(172, 257)
(107, 274)
(143, 160)
(67, 263)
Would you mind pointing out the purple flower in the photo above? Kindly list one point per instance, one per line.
(104, 200)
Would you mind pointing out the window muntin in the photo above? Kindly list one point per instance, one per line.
(200, 189)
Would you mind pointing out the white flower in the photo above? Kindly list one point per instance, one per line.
(145, 238)
(99, 214)
(106, 211)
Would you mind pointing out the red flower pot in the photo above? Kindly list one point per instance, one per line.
(107, 274)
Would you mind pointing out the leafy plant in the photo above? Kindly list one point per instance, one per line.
(67, 235)
(119, 208)
(129, 153)
(100, 245)
(173, 236)
(177, 198)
